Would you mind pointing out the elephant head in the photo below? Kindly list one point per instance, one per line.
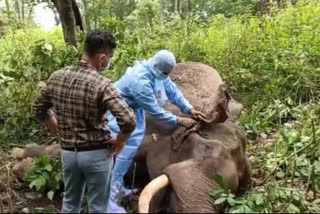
(184, 183)
(203, 88)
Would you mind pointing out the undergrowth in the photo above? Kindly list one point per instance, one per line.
(269, 62)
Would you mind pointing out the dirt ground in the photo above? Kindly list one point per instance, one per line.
(13, 194)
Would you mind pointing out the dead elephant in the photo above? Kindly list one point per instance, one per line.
(176, 166)
(182, 175)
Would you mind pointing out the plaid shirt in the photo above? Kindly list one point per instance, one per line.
(80, 98)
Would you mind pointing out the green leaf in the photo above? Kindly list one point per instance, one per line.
(48, 47)
(50, 195)
(241, 209)
(32, 184)
(251, 204)
(48, 168)
(293, 209)
(219, 179)
(258, 199)
(236, 210)
(231, 202)
(216, 191)
(40, 183)
(280, 174)
(220, 201)
(246, 209)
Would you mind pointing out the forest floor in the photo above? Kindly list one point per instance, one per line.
(15, 195)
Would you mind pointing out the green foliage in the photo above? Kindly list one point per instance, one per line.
(271, 58)
(230, 7)
(27, 58)
(45, 176)
(219, 179)
(273, 198)
(270, 63)
(43, 210)
(263, 117)
(288, 160)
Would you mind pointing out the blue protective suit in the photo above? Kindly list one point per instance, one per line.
(145, 87)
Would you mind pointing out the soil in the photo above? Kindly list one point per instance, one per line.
(13, 193)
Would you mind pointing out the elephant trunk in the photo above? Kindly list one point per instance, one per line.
(150, 190)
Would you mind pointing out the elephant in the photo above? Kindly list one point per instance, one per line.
(175, 166)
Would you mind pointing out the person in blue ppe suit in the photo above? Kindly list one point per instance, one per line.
(146, 86)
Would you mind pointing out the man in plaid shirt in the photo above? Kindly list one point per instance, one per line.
(80, 98)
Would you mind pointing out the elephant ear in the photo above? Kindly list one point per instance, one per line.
(220, 106)
(235, 110)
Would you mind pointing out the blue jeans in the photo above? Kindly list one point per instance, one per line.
(91, 169)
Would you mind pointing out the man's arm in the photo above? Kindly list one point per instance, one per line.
(146, 98)
(176, 97)
(42, 110)
(124, 115)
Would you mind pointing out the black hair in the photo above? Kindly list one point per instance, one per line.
(98, 41)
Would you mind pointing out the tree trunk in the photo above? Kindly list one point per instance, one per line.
(77, 15)
(173, 5)
(17, 8)
(68, 21)
(176, 6)
(30, 12)
(180, 5)
(85, 5)
(7, 5)
(189, 6)
(56, 16)
(161, 3)
(95, 22)
(8, 8)
(22, 9)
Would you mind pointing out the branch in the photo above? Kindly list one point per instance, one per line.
(282, 162)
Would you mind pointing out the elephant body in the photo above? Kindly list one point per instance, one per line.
(219, 146)
(215, 148)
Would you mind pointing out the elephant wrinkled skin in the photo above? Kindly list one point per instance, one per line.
(182, 178)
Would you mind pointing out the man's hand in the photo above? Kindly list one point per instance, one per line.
(119, 141)
(186, 122)
(52, 124)
(197, 114)
(117, 145)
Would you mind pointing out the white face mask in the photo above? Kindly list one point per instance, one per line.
(108, 65)
(159, 75)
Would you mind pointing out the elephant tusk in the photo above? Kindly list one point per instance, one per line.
(150, 190)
